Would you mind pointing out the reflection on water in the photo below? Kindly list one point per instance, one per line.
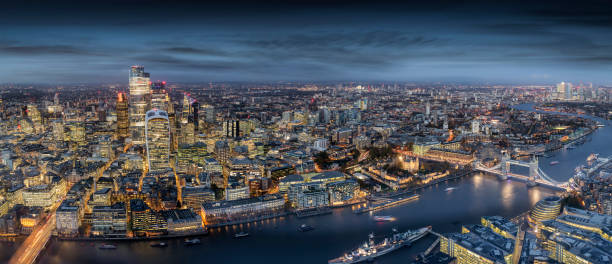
(477, 180)
(535, 195)
(507, 194)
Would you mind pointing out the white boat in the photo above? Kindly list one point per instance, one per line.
(241, 234)
(449, 189)
(554, 162)
(108, 246)
(194, 241)
(384, 218)
(159, 245)
(305, 228)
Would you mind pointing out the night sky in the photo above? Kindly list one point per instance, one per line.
(97, 41)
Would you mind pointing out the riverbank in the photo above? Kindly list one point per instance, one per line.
(453, 176)
(471, 198)
(127, 239)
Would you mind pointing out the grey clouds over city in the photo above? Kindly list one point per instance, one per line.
(70, 42)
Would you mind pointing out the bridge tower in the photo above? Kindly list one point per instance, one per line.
(505, 164)
(533, 170)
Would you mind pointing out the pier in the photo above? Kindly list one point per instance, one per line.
(384, 205)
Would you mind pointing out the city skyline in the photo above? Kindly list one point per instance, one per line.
(339, 132)
(544, 42)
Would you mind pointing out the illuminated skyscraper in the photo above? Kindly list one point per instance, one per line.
(564, 91)
(140, 103)
(123, 123)
(157, 139)
(209, 113)
(159, 96)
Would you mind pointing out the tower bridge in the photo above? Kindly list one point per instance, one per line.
(536, 175)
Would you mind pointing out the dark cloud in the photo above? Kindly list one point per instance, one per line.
(281, 40)
(44, 50)
(197, 51)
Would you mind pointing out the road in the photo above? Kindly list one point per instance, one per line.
(36, 241)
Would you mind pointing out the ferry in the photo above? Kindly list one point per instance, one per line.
(189, 242)
(305, 228)
(108, 246)
(241, 234)
(384, 218)
(449, 189)
(159, 245)
(554, 162)
(370, 250)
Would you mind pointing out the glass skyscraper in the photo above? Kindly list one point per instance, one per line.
(140, 103)
(157, 139)
(123, 124)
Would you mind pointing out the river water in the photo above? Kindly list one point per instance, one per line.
(278, 241)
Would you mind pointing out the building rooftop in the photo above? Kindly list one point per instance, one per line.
(292, 178)
(225, 204)
(583, 249)
(503, 224)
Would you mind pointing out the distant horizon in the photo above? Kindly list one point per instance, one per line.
(326, 82)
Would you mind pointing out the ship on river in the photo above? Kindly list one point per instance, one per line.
(370, 250)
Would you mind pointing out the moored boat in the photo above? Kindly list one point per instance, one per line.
(241, 234)
(108, 246)
(384, 218)
(189, 242)
(305, 228)
(159, 245)
(371, 250)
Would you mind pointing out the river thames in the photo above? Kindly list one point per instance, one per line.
(278, 241)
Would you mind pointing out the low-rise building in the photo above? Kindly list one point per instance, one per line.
(68, 218)
(109, 221)
(183, 221)
(223, 212)
(195, 196)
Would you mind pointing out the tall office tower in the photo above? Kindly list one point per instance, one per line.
(186, 108)
(427, 109)
(123, 123)
(231, 128)
(2, 112)
(560, 89)
(105, 147)
(188, 136)
(140, 103)
(159, 96)
(324, 115)
(58, 130)
(157, 134)
(209, 113)
(173, 127)
(195, 119)
(564, 90)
